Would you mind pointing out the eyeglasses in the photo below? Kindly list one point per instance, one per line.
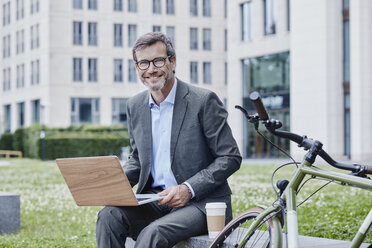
(157, 62)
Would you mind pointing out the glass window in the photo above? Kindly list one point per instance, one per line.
(35, 105)
(22, 41)
(132, 76)
(118, 5)
(92, 33)
(246, 21)
(4, 14)
(193, 39)
(21, 114)
(33, 70)
(171, 33)
(156, 6)
(226, 75)
(119, 111)
(132, 34)
(194, 7)
(118, 35)
(118, 70)
(194, 72)
(9, 46)
(207, 8)
(7, 115)
(77, 4)
(345, 4)
(78, 69)
(156, 28)
(18, 76)
(92, 70)
(207, 73)
(346, 44)
(226, 39)
(37, 38)
(78, 33)
(225, 8)
(37, 72)
(92, 4)
(207, 39)
(32, 37)
(132, 5)
(85, 110)
(170, 7)
(269, 17)
(23, 75)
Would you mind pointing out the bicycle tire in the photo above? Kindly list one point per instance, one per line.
(233, 233)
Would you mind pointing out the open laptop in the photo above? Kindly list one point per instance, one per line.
(100, 181)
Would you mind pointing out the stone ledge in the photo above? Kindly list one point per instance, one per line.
(10, 212)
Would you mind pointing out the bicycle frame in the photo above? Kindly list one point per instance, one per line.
(289, 196)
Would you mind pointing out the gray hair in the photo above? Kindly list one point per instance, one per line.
(150, 39)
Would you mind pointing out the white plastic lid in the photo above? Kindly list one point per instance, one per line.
(215, 205)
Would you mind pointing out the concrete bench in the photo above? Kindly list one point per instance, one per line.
(10, 212)
(9, 153)
(193, 242)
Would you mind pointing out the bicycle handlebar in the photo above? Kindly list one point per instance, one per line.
(302, 141)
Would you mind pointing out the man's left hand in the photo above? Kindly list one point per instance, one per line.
(176, 196)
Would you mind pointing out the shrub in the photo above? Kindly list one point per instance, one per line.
(6, 141)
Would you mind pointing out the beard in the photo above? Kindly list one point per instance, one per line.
(157, 86)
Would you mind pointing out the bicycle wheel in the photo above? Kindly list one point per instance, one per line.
(234, 232)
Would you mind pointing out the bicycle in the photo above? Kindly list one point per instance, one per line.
(262, 227)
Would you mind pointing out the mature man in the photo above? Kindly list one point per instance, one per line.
(183, 149)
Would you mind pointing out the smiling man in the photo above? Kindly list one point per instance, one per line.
(182, 149)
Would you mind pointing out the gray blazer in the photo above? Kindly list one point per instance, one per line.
(203, 151)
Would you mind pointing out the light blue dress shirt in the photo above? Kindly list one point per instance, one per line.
(161, 127)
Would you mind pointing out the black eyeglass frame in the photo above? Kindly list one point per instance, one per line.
(157, 59)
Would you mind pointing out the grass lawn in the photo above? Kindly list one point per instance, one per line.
(50, 218)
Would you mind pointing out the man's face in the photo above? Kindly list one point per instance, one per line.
(155, 78)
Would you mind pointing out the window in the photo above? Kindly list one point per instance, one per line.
(207, 8)
(92, 70)
(225, 8)
(156, 6)
(118, 35)
(77, 4)
(170, 7)
(21, 114)
(32, 37)
(207, 39)
(35, 107)
(78, 33)
(171, 34)
(92, 33)
(37, 38)
(226, 75)
(22, 41)
(118, 5)
(119, 111)
(118, 70)
(156, 28)
(92, 4)
(193, 39)
(85, 110)
(78, 69)
(18, 42)
(194, 72)
(132, 76)
(226, 38)
(132, 34)
(207, 74)
(35, 72)
(20, 80)
(269, 17)
(6, 79)
(132, 5)
(194, 7)
(288, 15)
(246, 21)
(34, 6)
(20, 10)
(4, 47)
(7, 114)
(4, 15)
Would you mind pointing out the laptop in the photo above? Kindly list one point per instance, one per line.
(100, 181)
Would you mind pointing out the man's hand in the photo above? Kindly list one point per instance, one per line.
(176, 196)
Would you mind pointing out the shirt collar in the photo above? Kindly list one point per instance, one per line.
(170, 98)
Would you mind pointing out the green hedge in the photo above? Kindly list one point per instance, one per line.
(6, 141)
(74, 141)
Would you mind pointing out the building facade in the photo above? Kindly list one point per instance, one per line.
(309, 60)
(70, 62)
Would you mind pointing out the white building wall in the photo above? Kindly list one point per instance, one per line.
(361, 79)
(316, 73)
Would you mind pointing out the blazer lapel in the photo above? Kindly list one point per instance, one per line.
(179, 111)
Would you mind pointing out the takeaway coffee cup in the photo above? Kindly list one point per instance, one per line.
(215, 217)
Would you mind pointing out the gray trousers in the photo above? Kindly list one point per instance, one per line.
(150, 225)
